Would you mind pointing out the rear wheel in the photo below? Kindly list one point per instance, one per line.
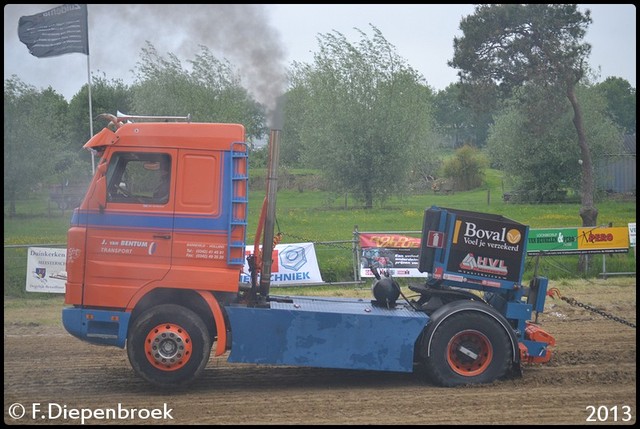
(168, 345)
(468, 348)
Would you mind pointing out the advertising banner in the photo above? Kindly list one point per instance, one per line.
(487, 247)
(632, 234)
(603, 240)
(292, 264)
(46, 269)
(399, 254)
(575, 241)
(557, 240)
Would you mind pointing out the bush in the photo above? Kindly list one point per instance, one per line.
(466, 168)
(336, 269)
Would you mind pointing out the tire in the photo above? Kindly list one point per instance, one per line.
(168, 345)
(468, 347)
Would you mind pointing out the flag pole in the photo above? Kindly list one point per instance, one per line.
(93, 157)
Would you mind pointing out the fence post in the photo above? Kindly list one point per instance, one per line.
(356, 254)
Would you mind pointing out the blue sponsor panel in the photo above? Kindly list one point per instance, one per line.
(478, 250)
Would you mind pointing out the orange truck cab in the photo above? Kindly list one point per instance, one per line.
(131, 249)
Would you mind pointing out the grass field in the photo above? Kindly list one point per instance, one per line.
(329, 220)
(44, 309)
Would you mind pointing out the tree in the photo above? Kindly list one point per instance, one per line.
(366, 121)
(514, 45)
(530, 141)
(107, 96)
(462, 122)
(451, 117)
(295, 109)
(34, 133)
(621, 100)
(211, 92)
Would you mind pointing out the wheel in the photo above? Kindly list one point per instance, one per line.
(168, 345)
(468, 348)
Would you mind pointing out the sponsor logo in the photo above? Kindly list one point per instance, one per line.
(484, 265)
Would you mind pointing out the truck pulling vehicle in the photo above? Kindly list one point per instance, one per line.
(159, 276)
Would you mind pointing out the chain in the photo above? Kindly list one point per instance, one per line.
(572, 301)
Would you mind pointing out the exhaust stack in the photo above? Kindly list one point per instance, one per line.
(269, 222)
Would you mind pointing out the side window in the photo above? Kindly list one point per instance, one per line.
(139, 178)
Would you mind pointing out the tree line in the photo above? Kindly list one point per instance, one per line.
(525, 102)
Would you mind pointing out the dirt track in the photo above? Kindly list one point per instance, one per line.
(594, 366)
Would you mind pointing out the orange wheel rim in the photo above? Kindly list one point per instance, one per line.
(168, 347)
(469, 353)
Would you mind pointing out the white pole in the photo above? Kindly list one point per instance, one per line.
(93, 159)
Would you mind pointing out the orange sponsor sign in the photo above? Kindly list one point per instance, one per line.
(603, 238)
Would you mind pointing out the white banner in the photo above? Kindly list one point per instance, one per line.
(46, 269)
(398, 262)
(632, 234)
(397, 254)
(292, 264)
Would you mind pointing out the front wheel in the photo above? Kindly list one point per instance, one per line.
(168, 345)
(468, 348)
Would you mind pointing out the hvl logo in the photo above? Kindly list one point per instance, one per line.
(484, 265)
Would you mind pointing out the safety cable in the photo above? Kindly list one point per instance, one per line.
(555, 292)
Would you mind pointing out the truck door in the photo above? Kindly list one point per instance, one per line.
(201, 229)
(129, 241)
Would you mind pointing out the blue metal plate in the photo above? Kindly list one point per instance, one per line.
(326, 332)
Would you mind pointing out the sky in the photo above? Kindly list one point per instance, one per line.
(262, 40)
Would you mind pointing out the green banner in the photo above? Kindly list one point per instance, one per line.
(560, 240)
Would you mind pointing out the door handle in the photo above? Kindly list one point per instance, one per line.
(166, 237)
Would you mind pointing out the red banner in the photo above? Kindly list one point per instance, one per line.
(393, 241)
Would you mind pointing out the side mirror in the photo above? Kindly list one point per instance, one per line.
(98, 199)
(100, 194)
(102, 169)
